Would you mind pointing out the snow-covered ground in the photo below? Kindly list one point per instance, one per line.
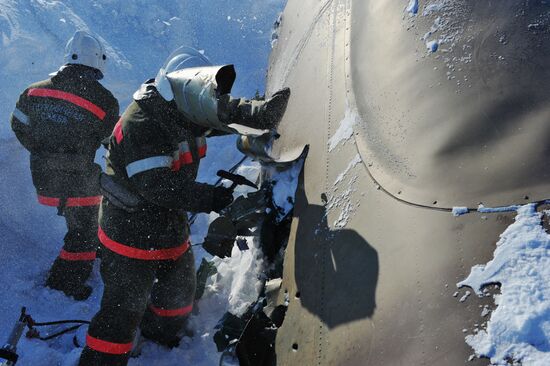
(138, 36)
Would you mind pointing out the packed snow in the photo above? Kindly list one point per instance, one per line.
(356, 160)
(342, 199)
(341, 195)
(345, 129)
(138, 36)
(519, 328)
(412, 7)
(481, 208)
(238, 277)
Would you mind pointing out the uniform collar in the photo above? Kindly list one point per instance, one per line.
(78, 71)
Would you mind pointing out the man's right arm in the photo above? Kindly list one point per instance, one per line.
(260, 114)
(149, 167)
(169, 189)
(21, 124)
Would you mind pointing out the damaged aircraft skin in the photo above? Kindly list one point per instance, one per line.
(451, 108)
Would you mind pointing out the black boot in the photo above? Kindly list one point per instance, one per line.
(164, 331)
(78, 291)
(163, 340)
(70, 278)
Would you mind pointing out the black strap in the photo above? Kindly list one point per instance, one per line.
(119, 195)
(75, 321)
(61, 332)
(34, 333)
(8, 355)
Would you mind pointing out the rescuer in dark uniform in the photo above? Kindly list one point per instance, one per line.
(61, 121)
(147, 264)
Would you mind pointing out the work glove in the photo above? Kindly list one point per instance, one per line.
(222, 198)
(262, 114)
(275, 107)
(280, 98)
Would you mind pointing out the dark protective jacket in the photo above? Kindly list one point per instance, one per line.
(62, 122)
(154, 152)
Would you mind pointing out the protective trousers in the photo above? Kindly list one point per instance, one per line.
(73, 266)
(155, 295)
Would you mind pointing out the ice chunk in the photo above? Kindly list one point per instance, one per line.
(432, 46)
(412, 8)
(457, 211)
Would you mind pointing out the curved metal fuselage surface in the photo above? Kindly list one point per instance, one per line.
(407, 112)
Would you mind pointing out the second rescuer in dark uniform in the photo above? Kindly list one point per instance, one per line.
(154, 153)
(61, 121)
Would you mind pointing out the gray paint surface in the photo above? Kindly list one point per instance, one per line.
(371, 274)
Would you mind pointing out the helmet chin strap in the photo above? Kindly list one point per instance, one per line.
(163, 86)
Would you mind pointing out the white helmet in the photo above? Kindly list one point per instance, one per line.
(85, 49)
(182, 58)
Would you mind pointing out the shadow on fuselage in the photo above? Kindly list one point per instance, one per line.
(336, 270)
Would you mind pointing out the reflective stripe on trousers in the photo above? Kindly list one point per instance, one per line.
(108, 347)
(166, 313)
(147, 255)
